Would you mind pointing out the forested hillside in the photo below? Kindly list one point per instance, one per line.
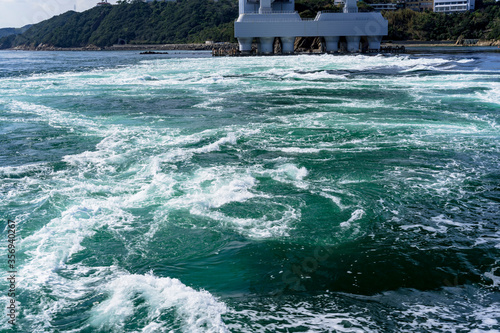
(13, 31)
(484, 23)
(136, 23)
(191, 21)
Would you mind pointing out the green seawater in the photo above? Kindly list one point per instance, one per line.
(185, 193)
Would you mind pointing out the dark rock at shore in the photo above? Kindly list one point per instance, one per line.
(153, 52)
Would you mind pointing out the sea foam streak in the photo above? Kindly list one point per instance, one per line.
(187, 309)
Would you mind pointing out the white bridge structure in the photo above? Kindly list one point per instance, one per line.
(266, 20)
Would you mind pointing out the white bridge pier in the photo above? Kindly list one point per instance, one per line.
(264, 20)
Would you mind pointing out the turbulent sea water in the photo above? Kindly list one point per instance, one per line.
(184, 193)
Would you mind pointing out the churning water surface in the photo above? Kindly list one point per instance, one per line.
(184, 193)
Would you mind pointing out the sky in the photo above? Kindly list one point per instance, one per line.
(18, 13)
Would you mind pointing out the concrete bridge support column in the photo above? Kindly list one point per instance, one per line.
(287, 45)
(332, 43)
(374, 42)
(245, 44)
(266, 45)
(353, 43)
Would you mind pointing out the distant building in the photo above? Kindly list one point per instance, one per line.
(378, 7)
(420, 5)
(338, 2)
(103, 3)
(453, 6)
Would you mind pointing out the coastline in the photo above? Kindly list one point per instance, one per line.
(131, 47)
(227, 45)
(414, 43)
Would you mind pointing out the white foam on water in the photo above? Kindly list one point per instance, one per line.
(55, 118)
(291, 317)
(441, 219)
(355, 216)
(183, 154)
(10, 171)
(215, 187)
(360, 104)
(362, 62)
(178, 139)
(488, 317)
(120, 146)
(478, 124)
(485, 238)
(335, 199)
(159, 187)
(99, 159)
(427, 88)
(149, 78)
(191, 310)
(212, 104)
(494, 275)
(212, 79)
(319, 66)
(210, 189)
(291, 174)
(439, 318)
(421, 67)
(318, 75)
(230, 138)
(447, 180)
(63, 294)
(49, 248)
(257, 228)
(419, 227)
(492, 95)
(423, 317)
(297, 150)
(132, 80)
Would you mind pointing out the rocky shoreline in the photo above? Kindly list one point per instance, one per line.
(459, 42)
(130, 47)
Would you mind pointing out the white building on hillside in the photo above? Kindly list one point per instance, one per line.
(453, 6)
(340, 2)
(103, 3)
(378, 7)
